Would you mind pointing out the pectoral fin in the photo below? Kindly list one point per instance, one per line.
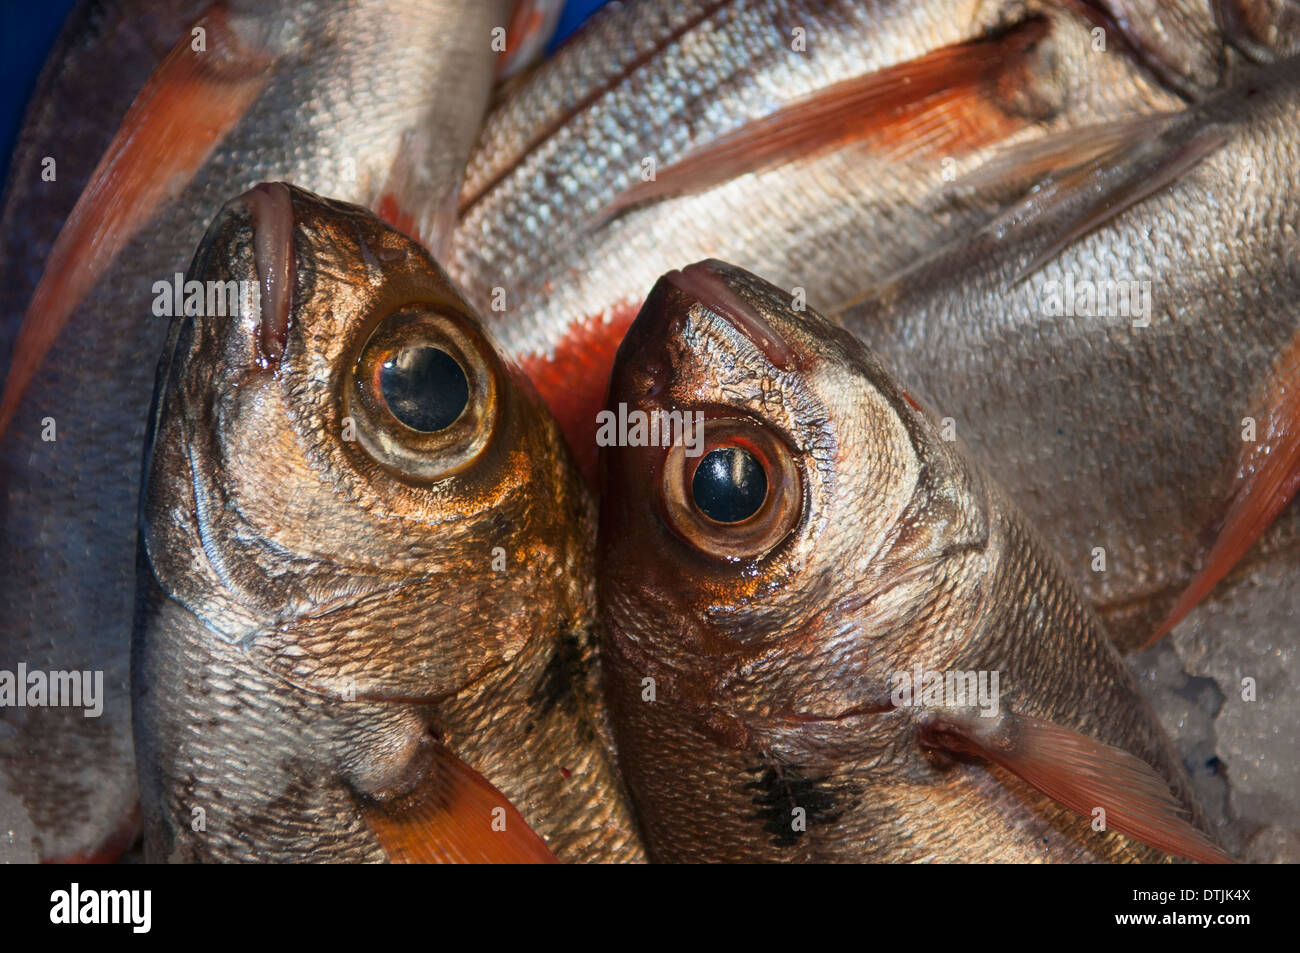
(1079, 773)
(454, 816)
(194, 97)
(1268, 476)
(1088, 176)
(946, 102)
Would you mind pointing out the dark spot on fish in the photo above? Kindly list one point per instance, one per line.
(781, 788)
(563, 681)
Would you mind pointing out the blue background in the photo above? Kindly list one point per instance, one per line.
(28, 30)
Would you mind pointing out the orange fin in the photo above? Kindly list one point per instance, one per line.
(532, 24)
(948, 101)
(455, 816)
(186, 107)
(1267, 479)
(1079, 773)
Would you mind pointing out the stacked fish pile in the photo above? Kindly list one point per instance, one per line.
(852, 430)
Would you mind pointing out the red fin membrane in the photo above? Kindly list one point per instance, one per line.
(945, 102)
(1267, 479)
(532, 24)
(455, 816)
(1079, 773)
(184, 110)
(411, 200)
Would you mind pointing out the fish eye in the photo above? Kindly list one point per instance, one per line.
(729, 485)
(422, 398)
(738, 496)
(424, 387)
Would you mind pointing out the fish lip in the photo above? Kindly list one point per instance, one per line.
(705, 281)
(270, 206)
(644, 365)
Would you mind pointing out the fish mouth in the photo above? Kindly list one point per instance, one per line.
(271, 208)
(644, 365)
(251, 240)
(706, 282)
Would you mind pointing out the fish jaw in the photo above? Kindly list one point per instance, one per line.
(769, 678)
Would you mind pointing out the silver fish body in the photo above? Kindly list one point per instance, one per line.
(1108, 389)
(559, 279)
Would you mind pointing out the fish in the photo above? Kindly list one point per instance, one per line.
(1136, 304)
(365, 603)
(777, 609)
(145, 122)
(815, 143)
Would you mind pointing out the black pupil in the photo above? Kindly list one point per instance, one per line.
(729, 485)
(425, 388)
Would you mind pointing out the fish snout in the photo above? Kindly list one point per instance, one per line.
(241, 278)
(271, 209)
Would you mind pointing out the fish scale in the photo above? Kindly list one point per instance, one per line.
(1088, 419)
(558, 283)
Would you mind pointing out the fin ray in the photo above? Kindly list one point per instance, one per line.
(1079, 773)
(957, 84)
(1268, 477)
(455, 816)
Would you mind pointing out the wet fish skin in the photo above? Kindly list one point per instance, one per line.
(554, 156)
(772, 673)
(328, 121)
(309, 613)
(1195, 45)
(1087, 420)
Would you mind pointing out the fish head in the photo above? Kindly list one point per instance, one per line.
(343, 475)
(774, 571)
